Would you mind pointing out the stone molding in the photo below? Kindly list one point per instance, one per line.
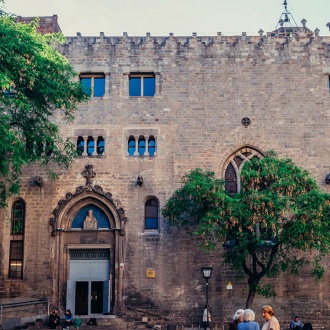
(90, 190)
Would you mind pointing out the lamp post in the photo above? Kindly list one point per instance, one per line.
(206, 274)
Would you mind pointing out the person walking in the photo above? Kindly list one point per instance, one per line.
(271, 322)
(248, 321)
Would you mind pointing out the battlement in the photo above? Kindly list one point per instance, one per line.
(240, 45)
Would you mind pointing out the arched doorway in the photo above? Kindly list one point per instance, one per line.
(89, 244)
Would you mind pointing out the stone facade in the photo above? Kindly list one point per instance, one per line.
(204, 88)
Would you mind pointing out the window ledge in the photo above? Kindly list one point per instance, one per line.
(151, 233)
(92, 156)
(143, 156)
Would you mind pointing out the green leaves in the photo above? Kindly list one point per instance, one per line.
(278, 218)
(36, 85)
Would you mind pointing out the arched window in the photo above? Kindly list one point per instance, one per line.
(141, 145)
(90, 146)
(18, 218)
(17, 246)
(151, 214)
(232, 179)
(80, 145)
(131, 145)
(234, 167)
(100, 145)
(39, 148)
(49, 148)
(151, 145)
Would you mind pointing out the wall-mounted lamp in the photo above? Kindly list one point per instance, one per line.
(327, 179)
(39, 181)
(139, 180)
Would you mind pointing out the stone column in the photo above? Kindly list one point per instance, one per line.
(136, 137)
(147, 145)
(85, 145)
(95, 146)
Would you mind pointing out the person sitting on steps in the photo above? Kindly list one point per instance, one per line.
(68, 319)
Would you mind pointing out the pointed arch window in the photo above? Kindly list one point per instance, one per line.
(232, 173)
(234, 167)
(151, 219)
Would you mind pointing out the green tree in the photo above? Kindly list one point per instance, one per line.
(37, 85)
(273, 224)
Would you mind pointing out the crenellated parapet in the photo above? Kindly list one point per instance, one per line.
(298, 43)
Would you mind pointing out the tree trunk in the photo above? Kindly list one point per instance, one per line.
(249, 300)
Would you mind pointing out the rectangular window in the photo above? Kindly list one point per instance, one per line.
(142, 84)
(16, 259)
(94, 83)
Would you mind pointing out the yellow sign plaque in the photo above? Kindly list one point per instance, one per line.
(150, 273)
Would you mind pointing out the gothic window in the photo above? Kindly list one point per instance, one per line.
(151, 145)
(94, 83)
(234, 168)
(151, 214)
(142, 84)
(131, 145)
(141, 145)
(18, 218)
(233, 184)
(16, 259)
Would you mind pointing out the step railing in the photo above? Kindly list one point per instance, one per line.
(17, 305)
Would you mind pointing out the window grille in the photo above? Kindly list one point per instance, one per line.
(90, 254)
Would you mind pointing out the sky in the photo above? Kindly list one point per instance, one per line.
(181, 17)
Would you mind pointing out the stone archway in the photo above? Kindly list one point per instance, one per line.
(88, 259)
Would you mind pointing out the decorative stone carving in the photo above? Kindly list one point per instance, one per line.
(90, 221)
(89, 173)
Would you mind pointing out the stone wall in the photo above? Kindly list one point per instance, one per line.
(205, 86)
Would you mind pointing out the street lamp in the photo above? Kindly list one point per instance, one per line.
(206, 274)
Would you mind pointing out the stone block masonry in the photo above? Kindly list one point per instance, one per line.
(204, 87)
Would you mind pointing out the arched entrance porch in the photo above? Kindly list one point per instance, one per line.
(88, 231)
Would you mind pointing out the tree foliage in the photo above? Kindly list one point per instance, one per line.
(279, 217)
(37, 84)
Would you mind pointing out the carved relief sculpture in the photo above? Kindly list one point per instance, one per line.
(90, 222)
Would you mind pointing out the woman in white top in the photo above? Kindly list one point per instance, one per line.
(271, 321)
